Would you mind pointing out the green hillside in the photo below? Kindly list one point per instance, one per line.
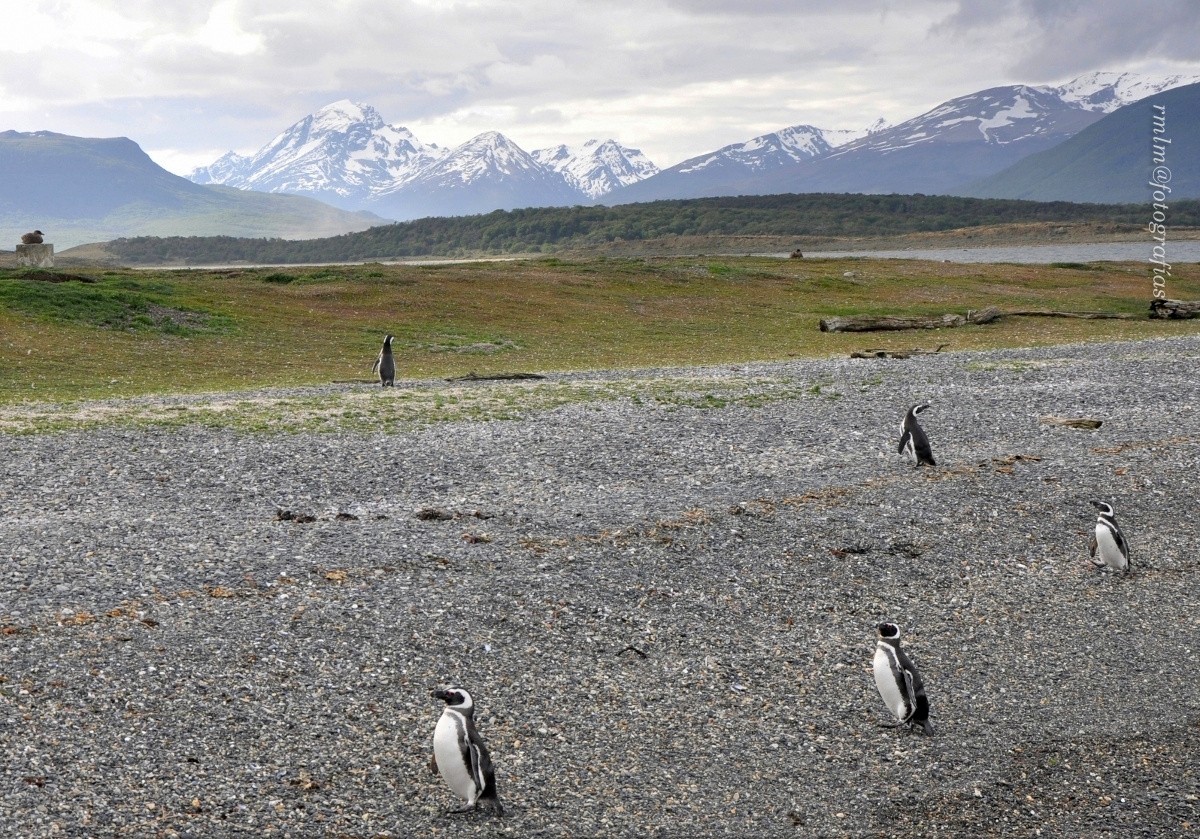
(80, 189)
(553, 229)
(1111, 160)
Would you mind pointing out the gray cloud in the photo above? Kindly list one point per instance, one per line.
(674, 77)
(1065, 37)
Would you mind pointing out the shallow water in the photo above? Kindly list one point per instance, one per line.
(1181, 251)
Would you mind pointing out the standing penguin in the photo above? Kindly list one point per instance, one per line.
(913, 439)
(459, 754)
(1108, 541)
(385, 364)
(899, 682)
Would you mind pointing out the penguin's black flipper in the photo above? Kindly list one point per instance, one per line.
(904, 438)
(1122, 545)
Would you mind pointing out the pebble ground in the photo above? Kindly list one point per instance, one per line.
(664, 610)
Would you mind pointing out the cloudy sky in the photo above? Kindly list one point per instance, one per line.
(191, 79)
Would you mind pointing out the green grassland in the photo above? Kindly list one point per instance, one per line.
(117, 332)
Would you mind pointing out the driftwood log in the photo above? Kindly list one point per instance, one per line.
(1174, 309)
(883, 323)
(1039, 313)
(897, 353)
(880, 323)
(495, 377)
(1072, 422)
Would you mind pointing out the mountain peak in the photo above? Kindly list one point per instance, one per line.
(597, 167)
(1105, 91)
(342, 153)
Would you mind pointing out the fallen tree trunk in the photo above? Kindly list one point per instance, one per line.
(495, 377)
(897, 353)
(1039, 313)
(1174, 309)
(1072, 422)
(880, 323)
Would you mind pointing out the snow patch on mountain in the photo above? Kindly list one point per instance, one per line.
(227, 168)
(841, 136)
(597, 167)
(788, 145)
(1106, 91)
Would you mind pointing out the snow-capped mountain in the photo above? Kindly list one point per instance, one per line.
(346, 155)
(228, 169)
(343, 154)
(597, 167)
(726, 170)
(1105, 92)
(1108, 161)
(957, 142)
(998, 115)
(954, 144)
(488, 172)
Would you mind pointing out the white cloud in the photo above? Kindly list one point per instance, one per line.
(676, 78)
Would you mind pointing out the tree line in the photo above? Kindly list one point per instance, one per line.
(550, 229)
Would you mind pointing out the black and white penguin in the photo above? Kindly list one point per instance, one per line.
(459, 754)
(913, 439)
(385, 364)
(1108, 546)
(899, 682)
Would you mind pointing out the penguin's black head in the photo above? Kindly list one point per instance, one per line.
(889, 631)
(1104, 507)
(387, 340)
(924, 406)
(454, 697)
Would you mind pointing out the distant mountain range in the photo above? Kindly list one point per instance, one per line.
(344, 169)
(347, 155)
(80, 189)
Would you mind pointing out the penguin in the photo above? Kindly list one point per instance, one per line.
(32, 238)
(1107, 545)
(899, 683)
(460, 755)
(912, 438)
(385, 364)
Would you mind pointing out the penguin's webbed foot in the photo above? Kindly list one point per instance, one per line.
(465, 809)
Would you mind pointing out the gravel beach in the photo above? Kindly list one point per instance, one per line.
(664, 604)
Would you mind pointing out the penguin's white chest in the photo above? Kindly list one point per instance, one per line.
(449, 739)
(889, 689)
(1108, 550)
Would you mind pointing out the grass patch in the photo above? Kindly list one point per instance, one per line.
(120, 304)
(199, 330)
(362, 410)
